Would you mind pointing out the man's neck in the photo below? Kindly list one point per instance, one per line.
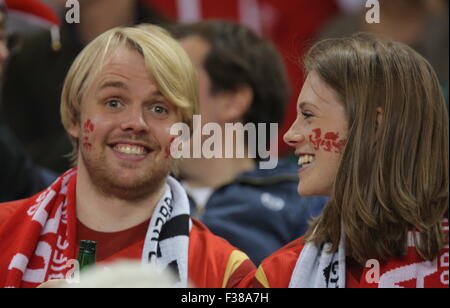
(214, 172)
(95, 21)
(109, 214)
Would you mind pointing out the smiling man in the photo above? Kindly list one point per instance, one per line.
(120, 98)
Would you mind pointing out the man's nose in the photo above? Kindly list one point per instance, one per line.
(135, 121)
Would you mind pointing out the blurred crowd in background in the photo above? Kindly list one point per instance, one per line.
(33, 79)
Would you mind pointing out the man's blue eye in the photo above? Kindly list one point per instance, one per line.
(113, 103)
(159, 109)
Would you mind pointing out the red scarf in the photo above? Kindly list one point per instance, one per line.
(41, 236)
(411, 271)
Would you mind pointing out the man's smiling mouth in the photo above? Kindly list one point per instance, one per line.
(130, 149)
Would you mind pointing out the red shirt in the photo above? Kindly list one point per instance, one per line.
(126, 244)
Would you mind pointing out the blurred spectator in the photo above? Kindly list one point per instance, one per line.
(4, 52)
(421, 24)
(289, 24)
(29, 16)
(35, 74)
(19, 177)
(242, 80)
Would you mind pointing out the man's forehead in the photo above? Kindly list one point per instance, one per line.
(114, 83)
(122, 66)
(122, 55)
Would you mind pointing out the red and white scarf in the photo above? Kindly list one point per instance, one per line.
(41, 235)
(317, 268)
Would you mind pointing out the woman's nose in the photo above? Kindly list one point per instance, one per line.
(293, 136)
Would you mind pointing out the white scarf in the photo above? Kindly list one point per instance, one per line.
(167, 241)
(316, 268)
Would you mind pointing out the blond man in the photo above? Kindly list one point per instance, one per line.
(120, 98)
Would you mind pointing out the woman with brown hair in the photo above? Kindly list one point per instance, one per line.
(371, 133)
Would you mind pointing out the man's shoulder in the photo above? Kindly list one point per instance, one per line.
(214, 262)
(7, 209)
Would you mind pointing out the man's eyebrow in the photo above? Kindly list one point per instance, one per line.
(121, 85)
(113, 84)
(157, 93)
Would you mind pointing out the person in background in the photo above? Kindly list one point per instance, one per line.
(385, 169)
(33, 115)
(120, 97)
(242, 80)
(19, 176)
(289, 24)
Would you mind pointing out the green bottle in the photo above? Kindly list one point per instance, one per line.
(86, 254)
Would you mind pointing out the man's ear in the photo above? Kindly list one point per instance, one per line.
(236, 104)
(74, 130)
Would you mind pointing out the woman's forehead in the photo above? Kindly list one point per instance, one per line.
(315, 90)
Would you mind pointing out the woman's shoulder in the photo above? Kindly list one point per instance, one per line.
(276, 270)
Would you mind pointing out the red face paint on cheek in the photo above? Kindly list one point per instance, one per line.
(316, 138)
(88, 128)
(339, 146)
(87, 145)
(168, 147)
(329, 143)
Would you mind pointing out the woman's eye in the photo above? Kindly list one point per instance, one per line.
(307, 114)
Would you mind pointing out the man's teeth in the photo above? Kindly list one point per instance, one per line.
(130, 149)
(305, 159)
